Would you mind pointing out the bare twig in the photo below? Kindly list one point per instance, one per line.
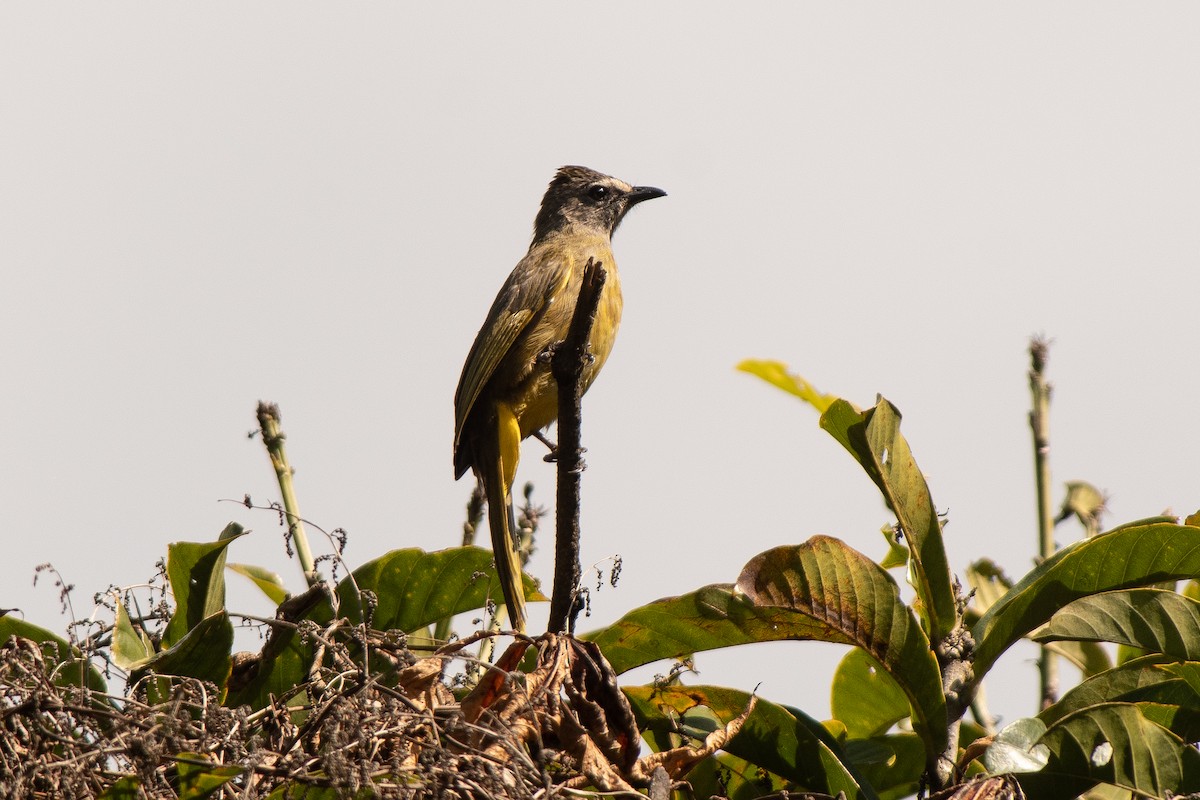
(567, 364)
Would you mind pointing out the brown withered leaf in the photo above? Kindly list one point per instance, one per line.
(600, 705)
(495, 683)
(679, 760)
(418, 681)
(996, 787)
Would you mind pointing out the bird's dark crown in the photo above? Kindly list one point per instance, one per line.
(582, 197)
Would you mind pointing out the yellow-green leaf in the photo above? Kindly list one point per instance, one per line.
(776, 374)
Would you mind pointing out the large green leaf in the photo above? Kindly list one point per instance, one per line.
(1113, 743)
(725, 775)
(893, 764)
(837, 586)
(989, 583)
(873, 438)
(709, 618)
(72, 668)
(1188, 672)
(865, 698)
(1133, 555)
(196, 571)
(787, 743)
(414, 588)
(1183, 721)
(203, 653)
(284, 667)
(1155, 620)
(1147, 678)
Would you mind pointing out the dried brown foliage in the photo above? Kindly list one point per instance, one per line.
(563, 726)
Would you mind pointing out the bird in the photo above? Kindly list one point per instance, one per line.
(506, 392)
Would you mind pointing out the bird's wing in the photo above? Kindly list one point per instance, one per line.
(530, 287)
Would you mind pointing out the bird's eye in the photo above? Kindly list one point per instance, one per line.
(598, 192)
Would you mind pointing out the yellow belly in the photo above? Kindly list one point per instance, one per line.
(536, 405)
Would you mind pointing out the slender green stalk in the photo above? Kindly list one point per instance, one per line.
(1039, 422)
(273, 438)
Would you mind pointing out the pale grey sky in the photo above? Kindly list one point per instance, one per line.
(204, 205)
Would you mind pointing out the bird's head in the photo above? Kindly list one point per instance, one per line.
(582, 197)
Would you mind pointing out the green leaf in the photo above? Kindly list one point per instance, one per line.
(127, 788)
(270, 582)
(726, 775)
(707, 619)
(835, 585)
(73, 669)
(1189, 673)
(1183, 721)
(1148, 678)
(865, 698)
(203, 653)
(199, 778)
(873, 438)
(1130, 556)
(784, 742)
(776, 374)
(1114, 743)
(1016, 748)
(415, 589)
(196, 573)
(412, 589)
(1154, 620)
(131, 647)
(276, 675)
(893, 764)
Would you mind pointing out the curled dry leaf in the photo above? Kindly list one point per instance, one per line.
(570, 706)
(496, 685)
(679, 760)
(995, 787)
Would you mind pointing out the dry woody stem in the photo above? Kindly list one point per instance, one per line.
(567, 363)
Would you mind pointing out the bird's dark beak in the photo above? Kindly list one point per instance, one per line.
(640, 193)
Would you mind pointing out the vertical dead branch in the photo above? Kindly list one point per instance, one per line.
(567, 364)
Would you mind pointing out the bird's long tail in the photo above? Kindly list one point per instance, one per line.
(500, 467)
